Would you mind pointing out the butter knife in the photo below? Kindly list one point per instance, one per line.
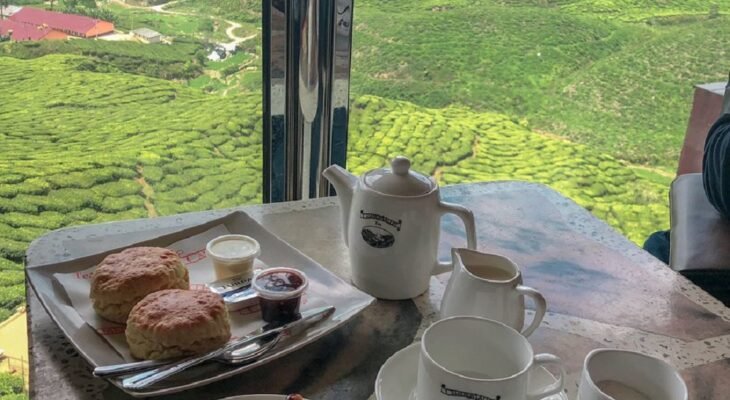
(147, 378)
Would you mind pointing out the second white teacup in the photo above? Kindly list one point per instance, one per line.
(477, 358)
(610, 374)
(490, 286)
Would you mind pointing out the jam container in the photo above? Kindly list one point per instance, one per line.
(280, 292)
(233, 255)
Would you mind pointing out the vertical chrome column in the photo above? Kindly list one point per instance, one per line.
(306, 60)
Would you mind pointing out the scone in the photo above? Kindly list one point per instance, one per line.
(122, 279)
(173, 323)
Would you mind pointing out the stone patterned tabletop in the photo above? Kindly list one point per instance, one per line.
(602, 291)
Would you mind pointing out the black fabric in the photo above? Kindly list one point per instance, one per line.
(716, 166)
(716, 283)
(657, 244)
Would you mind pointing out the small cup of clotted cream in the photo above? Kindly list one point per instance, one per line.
(233, 255)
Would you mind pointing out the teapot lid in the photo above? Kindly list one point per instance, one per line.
(399, 180)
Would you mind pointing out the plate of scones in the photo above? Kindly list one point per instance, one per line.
(151, 300)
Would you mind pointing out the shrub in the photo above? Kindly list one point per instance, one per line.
(117, 204)
(10, 278)
(8, 265)
(10, 384)
(12, 296)
(118, 188)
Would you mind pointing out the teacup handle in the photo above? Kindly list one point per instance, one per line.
(555, 388)
(467, 216)
(540, 307)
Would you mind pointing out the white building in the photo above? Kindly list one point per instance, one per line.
(9, 10)
(147, 35)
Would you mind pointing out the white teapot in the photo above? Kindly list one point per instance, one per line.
(391, 221)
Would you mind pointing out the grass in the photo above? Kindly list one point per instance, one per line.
(248, 11)
(191, 26)
(642, 10)
(237, 59)
(636, 102)
(568, 68)
(246, 30)
(207, 84)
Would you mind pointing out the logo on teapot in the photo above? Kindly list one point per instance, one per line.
(376, 235)
(459, 393)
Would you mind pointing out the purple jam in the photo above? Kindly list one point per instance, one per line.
(275, 305)
(279, 310)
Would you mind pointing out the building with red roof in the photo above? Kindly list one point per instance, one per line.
(21, 32)
(71, 24)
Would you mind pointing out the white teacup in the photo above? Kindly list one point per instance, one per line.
(477, 358)
(610, 374)
(490, 286)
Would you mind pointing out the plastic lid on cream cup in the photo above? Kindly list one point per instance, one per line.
(235, 253)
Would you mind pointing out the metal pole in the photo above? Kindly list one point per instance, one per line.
(306, 69)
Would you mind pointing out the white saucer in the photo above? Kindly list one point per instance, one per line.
(397, 377)
(258, 397)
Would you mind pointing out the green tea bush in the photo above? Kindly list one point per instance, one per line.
(8, 265)
(12, 296)
(174, 61)
(118, 188)
(117, 204)
(10, 384)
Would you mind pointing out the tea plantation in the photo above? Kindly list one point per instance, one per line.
(616, 75)
(474, 147)
(105, 146)
(181, 60)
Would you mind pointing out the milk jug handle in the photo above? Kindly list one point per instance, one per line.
(540, 307)
(471, 234)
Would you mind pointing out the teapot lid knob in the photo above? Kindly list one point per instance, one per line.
(400, 165)
(399, 180)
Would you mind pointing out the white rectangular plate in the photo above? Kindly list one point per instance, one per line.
(325, 289)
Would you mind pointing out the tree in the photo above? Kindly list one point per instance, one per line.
(714, 10)
(3, 4)
(88, 3)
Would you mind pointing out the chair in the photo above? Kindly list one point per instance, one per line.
(700, 236)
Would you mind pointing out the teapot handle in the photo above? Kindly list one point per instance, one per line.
(467, 216)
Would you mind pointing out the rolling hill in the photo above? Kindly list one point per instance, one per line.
(129, 146)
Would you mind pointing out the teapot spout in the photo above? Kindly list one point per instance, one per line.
(344, 184)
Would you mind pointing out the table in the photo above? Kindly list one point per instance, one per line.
(602, 291)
